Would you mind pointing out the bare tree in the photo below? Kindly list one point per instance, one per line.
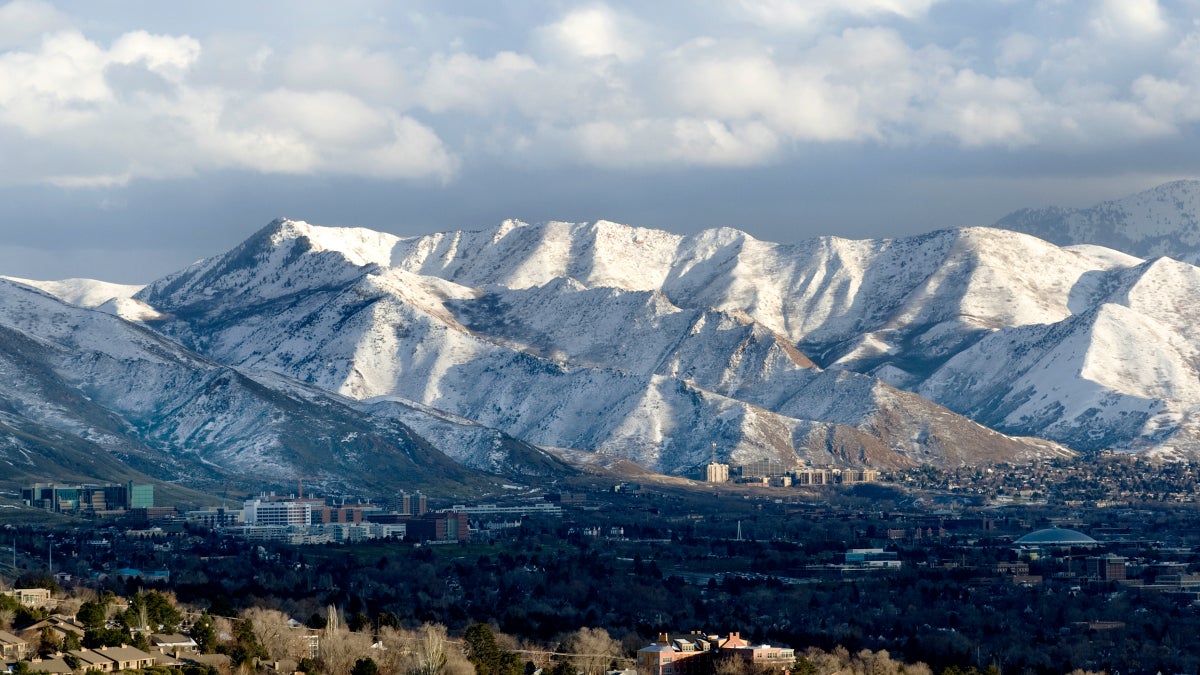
(275, 633)
(429, 655)
(396, 646)
(592, 650)
(340, 647)
(731, 665)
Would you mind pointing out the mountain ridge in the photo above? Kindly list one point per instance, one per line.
(463, 349)
(1161, 221)
(650, 346)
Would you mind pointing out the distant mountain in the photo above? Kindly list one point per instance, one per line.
(90, 396)
(589, 349)
(1164, 221)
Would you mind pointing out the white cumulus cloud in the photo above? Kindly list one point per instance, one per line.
(420, 94)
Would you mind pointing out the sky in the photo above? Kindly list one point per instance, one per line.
(139, 136)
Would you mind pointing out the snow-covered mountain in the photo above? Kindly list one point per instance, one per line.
(634, 343)
(1082, 345)
(1163, 221)
(647, 346)
(92, 396)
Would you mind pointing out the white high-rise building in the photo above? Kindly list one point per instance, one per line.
(259, 513)
(718, 473)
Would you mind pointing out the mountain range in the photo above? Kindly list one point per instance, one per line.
(451, 361)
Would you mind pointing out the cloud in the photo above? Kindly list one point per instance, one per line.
(420, 94)
(465, 82)
(1130, 20)
(648, 143)
(810, 14)
(595, 32)
(95, 116)
(371, 73)
(24, 22)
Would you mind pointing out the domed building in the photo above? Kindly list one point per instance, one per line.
(1057, 537)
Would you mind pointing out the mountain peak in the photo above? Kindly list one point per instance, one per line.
(359, 245)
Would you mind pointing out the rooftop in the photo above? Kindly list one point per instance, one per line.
(1057, 536)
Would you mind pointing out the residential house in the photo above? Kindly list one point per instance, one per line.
(167, 643)
(53, 666)
(32, 597)
(60, 626)
(12, 648)
(127, 658)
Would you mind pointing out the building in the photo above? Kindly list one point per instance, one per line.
(167, 642)
(763, 656)
(482, 510)
(87, 498)
(449, 526)
(140, 496)
(123, 658)
(1056, 538)
(414, 504)
(214, 518)
(717, 473)
(31, 597)
(1106, 568)
(871, 558)
(695, 653)
(59, 626)
(855, 476)
(12, 648)
(688, 655)
(263, 512)
(763, 468)
(812, 476)
(324, 513)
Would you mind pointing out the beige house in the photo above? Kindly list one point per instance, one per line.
(127, 658)
(104, 660)
(59, 625)
(32, 597)
(12, 648)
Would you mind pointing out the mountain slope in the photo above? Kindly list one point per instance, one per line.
(1121, 374)
(87, 380)
(1163, 221)
(926, 313)
(563, 358)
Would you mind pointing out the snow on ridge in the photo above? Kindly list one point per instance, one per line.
(964, 316)
(131, 309)
(88, 293)
(360, 245)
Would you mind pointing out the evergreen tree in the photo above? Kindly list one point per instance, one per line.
(205, 635)
(247, 648)
(365, 667)
(49, 644)
(482, 650)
